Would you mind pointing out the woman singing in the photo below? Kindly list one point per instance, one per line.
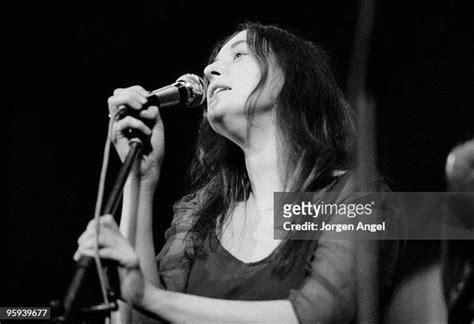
(275, 121)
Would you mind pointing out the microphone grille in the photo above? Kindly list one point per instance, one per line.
(196, 89)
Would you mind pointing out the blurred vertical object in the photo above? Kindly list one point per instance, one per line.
(366, 250)
(458, 256)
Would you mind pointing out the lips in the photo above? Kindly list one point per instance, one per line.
(215, 89)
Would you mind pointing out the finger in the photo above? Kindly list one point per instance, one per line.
(124, 259)
(122, 126)
(150, 113)
(109, 234)
(130, 99)
(83, 251)
(109, 222)
(92, 224)
(140, 90)
(91, 229)
(133, 97)
(88, 248)
(110, 247)
(107, 218)
(125, 99)
(119, 90)
(127, 259)
(87, 235)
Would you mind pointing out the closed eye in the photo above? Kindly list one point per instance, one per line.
(238, 55)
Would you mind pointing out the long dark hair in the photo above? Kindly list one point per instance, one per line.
(314, 121)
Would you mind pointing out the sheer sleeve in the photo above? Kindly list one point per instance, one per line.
(329, 290)
(328, 293)
(173, 264)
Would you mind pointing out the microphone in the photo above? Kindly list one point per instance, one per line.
(188, 91)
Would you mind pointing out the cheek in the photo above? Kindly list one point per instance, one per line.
(246, 78)
(253, 76)
(267, 94)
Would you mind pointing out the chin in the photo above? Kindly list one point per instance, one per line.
(214, 117)
(227, 126)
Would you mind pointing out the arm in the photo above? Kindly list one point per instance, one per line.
(182, 308)
(419, 297)
(326, 296)
(173, 306)
(136, 225)
(138, 200)
(137, 219)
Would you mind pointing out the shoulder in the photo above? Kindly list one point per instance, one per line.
(172, 261)
(348, 182)
(184, 211)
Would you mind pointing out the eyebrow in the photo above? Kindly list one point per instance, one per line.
(233, 46)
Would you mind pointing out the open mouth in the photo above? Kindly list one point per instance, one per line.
(217, 90)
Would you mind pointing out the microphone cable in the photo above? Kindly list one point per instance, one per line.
(99, 203)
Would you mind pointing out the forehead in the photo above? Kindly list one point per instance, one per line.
(239, 38)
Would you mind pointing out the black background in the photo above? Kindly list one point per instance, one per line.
(65, 59)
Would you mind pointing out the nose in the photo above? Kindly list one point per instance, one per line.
(212, 70)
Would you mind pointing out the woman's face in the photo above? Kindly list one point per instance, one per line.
(232, 77)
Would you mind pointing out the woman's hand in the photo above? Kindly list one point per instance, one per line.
(148, 122)
(113, 246)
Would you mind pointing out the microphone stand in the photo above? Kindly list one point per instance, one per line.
(85, 263)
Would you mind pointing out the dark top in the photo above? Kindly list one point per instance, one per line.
(224, 276)
(320, 285)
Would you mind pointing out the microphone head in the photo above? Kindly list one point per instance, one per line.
(196, 89)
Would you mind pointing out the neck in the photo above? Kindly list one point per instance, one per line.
(263, 166)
